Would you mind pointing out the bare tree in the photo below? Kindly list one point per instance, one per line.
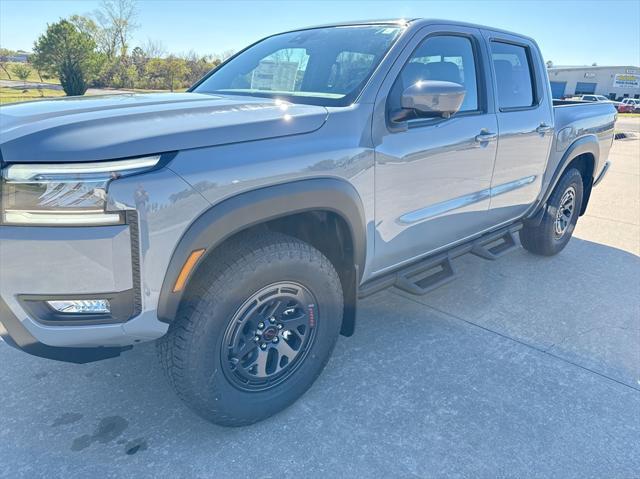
(154, 49)
(117, 19)
(226, 54)
(4, 59)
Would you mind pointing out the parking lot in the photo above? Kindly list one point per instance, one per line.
(524, 367)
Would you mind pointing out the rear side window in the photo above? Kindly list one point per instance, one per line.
(513, 75)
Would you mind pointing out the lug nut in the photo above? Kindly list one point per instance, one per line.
(263, 346)
(275, 340)
(257, 338)
(280, 326)
(260, 325)
(272, 319)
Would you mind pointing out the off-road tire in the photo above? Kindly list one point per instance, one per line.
(544, 238)
(192, 351)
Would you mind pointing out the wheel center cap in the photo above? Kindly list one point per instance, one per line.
(269, 333)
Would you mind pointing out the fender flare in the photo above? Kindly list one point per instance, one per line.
(585, 144)
(251, 208)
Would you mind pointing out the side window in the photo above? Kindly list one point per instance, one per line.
(445, 58)
(513, 75)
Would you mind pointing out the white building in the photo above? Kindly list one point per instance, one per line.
(613, 82)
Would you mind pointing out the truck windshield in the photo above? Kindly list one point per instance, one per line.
(321, 66)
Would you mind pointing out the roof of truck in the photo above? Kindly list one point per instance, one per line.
(416, 22)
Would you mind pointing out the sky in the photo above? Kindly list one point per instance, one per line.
(568, 32)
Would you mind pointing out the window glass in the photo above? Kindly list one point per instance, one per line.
(321, 66)
(513, 75)
(444, 58)
(348, 70)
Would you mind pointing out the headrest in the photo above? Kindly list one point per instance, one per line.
(443, 71)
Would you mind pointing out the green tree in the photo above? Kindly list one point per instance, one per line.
(198, 66)
(139, 60)
(22, 71)
(67, 52)
(167, 72)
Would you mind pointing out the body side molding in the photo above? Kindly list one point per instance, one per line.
(462, 201)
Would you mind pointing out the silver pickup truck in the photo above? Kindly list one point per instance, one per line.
(240, 222)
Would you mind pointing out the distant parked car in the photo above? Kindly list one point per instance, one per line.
(621, 107)
(633, 104)
(594, 98)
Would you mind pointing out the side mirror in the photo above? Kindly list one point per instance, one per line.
(434, 98)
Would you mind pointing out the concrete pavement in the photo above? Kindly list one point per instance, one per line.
(524, 367)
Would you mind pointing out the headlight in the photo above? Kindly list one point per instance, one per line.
(63, 194)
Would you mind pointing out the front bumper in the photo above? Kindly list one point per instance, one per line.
(128, 261)
(17, 336)
(44, 263)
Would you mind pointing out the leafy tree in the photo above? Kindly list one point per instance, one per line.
(67, 52)
(198, 66)
(22, 71)
(168, 73)
(139, 60)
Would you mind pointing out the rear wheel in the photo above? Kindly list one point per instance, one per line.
(258, 329)
(559, 219)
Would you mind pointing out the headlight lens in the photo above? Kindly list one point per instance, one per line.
(64, 194)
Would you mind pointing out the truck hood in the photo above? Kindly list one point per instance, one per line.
(119, 126)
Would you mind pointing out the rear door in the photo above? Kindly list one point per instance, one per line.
(525, 124)
(433, 175)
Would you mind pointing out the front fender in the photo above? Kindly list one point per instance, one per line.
(258, 206)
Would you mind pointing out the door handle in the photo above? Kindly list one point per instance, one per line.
(486, 136)
(544, 128)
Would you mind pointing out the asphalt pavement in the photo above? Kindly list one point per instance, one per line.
(524, 367)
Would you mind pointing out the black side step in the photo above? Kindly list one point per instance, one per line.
(426, 275)
(494, 246)
(429, 273)
(418, 278)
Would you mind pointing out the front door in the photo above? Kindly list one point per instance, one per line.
(433, 175)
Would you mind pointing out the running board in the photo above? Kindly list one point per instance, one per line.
(429, 273)
(426, 275)
(496, 245)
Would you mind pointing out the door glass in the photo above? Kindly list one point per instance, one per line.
(513, 75)
(445, 58)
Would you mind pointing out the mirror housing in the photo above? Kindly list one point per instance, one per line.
(434, 98)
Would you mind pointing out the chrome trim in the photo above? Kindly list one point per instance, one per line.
(462, 201)
(443, 207)
(512, 185)
(600, 177)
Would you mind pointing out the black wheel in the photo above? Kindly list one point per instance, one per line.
(559, 219)
(257, 329)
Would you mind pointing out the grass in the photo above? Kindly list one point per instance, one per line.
(32, 77)
(13, 95)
